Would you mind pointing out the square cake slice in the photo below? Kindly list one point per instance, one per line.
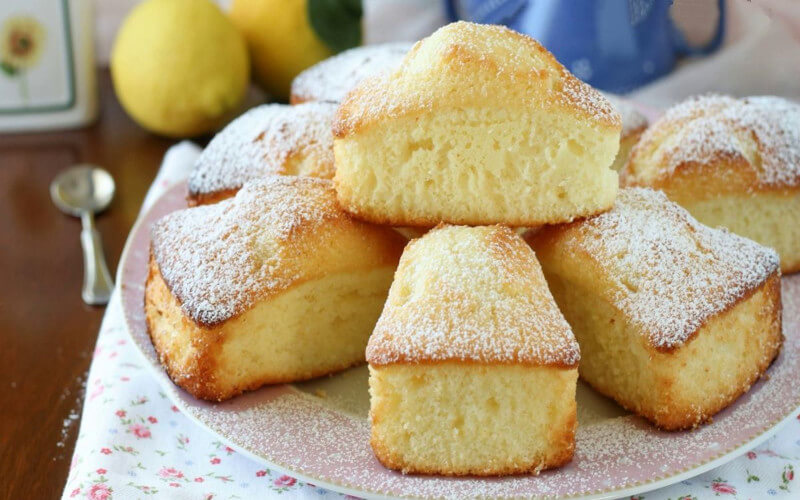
(473, 369)
(675, 319)
(277, 284)
(478, 125)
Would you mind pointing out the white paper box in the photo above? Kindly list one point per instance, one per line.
(47, 71)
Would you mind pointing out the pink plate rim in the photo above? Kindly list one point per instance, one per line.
(267, 424)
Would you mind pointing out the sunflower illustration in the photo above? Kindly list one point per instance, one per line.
(22, 39)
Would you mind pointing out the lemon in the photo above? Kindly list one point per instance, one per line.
(180, 67)
(281, 40)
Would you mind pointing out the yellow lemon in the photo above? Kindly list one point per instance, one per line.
(281, 40)
(180, 67)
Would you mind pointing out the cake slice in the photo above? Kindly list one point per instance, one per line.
(331, 80)
(478, 125)
(277, 284)
(730, 162)
(675, 320)
(272, 139)
(472, 366)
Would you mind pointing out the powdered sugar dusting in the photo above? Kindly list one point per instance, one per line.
(632, 120)
(452, 64)
(471, 294)
(220, 259)
(714, 126)
(333, 78)
(267, 140)
(672, 273)
(591, 101)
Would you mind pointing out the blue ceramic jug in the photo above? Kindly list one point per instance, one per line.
(615, 45)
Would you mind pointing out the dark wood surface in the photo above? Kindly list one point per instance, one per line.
(47, 333)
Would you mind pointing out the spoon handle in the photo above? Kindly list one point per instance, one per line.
(97, 283)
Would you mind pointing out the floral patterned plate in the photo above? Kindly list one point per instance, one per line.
(318, 431)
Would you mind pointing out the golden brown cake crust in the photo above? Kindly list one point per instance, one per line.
(521, 71)
(424, 223)
(192, 359)
(212, 265)
(272, 139)
(472, 295)
(714, 145)
(198, 199)
(793, 267)
(219, 260)
(392, 461)
(673, 275)
(194, 373)
(675, 416)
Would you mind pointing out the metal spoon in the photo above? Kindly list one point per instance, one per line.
(82, 191)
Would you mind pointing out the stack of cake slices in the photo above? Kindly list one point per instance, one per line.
(531, 267)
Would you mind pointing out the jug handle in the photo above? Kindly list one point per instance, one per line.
(682, 46)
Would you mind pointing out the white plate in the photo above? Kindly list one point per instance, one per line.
(317, 431)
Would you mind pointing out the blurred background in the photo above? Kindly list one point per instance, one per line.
(656, 50)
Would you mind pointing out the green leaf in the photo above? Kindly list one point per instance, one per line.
(336, 22)
(8, 69)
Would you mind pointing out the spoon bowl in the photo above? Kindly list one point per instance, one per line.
(83, 188)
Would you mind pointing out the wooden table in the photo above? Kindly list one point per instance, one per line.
(47, 333)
